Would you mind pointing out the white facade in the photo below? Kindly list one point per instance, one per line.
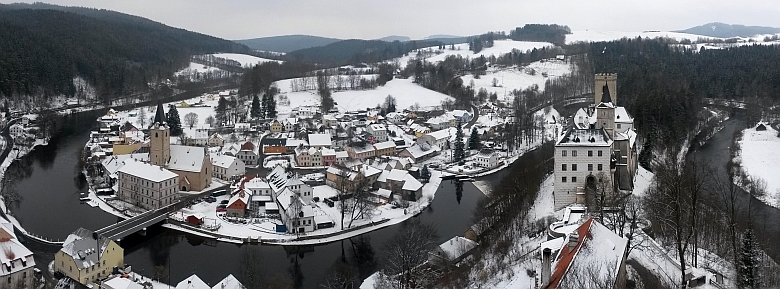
(379, 131)
(227, 167)
(17, 129)
(487, 159)
(146, 185)
(580, 156)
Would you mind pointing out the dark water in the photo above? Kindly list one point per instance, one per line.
(716, 154)
(49, 183)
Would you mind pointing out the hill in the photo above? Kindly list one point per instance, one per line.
(717, 29)
(357, 51)
(286, 43)
(442, 36)
(45, 47)
(392, 38)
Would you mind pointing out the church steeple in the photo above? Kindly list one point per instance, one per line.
(159, 117)
(605, 97)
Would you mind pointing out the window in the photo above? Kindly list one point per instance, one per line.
(573, 179)
(600, 166)
(563, 179)
(590, 167)
(599, 152)
(563, 167)
(590, 153)
(573, 167)
(618, 126)
(563, 153)
(573, 153)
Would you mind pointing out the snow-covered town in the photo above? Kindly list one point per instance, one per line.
(138, 155)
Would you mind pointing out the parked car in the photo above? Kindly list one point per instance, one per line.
(210, 199)
(221, 210)
(224, 202)
(221, 206)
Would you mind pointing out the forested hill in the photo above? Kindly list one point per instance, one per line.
(286, 43)
(358, 51)
(44, 47)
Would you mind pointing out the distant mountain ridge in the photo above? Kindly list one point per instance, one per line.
(723, 30)
(286, 43)
(392, 38)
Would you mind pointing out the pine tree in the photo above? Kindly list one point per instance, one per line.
(221, 111)
(459, 153)
(748, 263)
(257, 110)
(425, 174)
(474, 139)
(269, 101)
(174, 122)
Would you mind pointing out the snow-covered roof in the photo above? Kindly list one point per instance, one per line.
(416, 151)
(585, 137)
(342, 154)
(370, 171)
(384, 145)
(456, 247)
(146, 171)
(13, 250)
(186, 158)
(122, 283)
(192, 282)
(222, 161)
(242, 196)
(486, 153)
(411, 184)
(377, 127)
(596, 246)
(622, 116)
(256, 184)
(397, 175)
(385, 193)
(363, 149)
(83, 248)
(318, 139)
(230, 282)
(440, 134)
(114, 163)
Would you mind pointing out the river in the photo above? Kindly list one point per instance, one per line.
(49, 182)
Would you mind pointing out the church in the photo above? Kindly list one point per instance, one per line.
(192, 164)
(597, 153)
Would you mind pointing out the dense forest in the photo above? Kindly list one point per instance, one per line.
(552, 33)
(358, 51)
(45, 49)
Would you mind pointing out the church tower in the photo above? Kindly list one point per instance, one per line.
(160, 144)
(602, 79)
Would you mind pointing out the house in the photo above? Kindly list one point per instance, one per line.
(302, 157)
(759, 127)
(487, 159)
(582, 165)
(242, 127)
(117, 282)
(343, 178)
(290, 123)
(227, 167)
(296, 215)
(291, 144)
(229, 282)
(379, 131)
(438, 123)
(145, 185)
(395, 117)
(439, 138)
(249, 154)
(461, 116)
(386, 148)
(342, 156)
(401, 183)
(364, 151)
(328, 157)
(17, 129)
(276, 126)
(192, 164)
(452, 251)
(238, 203)
(305, 111)
(320, 140)
(420, 130)
(420, 152)
(329, 120)
(18, 262)
(316, 157)
(86, 257)
(591, 245)
(192, 282)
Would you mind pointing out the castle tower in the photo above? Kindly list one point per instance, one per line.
(602, 79)
(160, 144)
(605, 111)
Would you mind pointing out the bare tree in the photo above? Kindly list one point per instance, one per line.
(408, 249)
(184, 138)
(191, 119)
(210, 120)
(142, 117)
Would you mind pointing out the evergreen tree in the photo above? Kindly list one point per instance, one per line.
(174, 122)
(257, 111)
(425, 174)
(747, 271)
(269, 101)
(459, 153)
(474, 139)
(221, 111)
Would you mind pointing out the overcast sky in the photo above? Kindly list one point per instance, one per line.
(370, 19)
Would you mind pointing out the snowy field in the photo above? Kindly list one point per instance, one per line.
(500, 47)
(245, 60)
(596, 36)
(519, 77)
(197, 67)
(405, 92)
(760, 159)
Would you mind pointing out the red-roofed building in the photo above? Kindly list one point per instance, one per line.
(592, 256)
(237, 205)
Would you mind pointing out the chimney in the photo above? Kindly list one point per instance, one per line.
(546, 269)
(573, 240)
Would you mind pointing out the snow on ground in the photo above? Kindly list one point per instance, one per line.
(596, 36)
(245, 60)
(759, 159)
(519, 77)
(197, 68)
(544, 205)
(500, 47)
(405, 92)
(642, 181)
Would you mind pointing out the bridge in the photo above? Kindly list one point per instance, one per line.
(140, 222)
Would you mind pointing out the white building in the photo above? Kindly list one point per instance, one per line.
(437, 138)
(17, 261)
(319, 140)
(147, 185)
(249, 154)
(227, 167)
(487, 159)
(17, 129)
(582, 162)
(379, 131)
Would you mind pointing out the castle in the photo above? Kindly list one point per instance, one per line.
(597, 153)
